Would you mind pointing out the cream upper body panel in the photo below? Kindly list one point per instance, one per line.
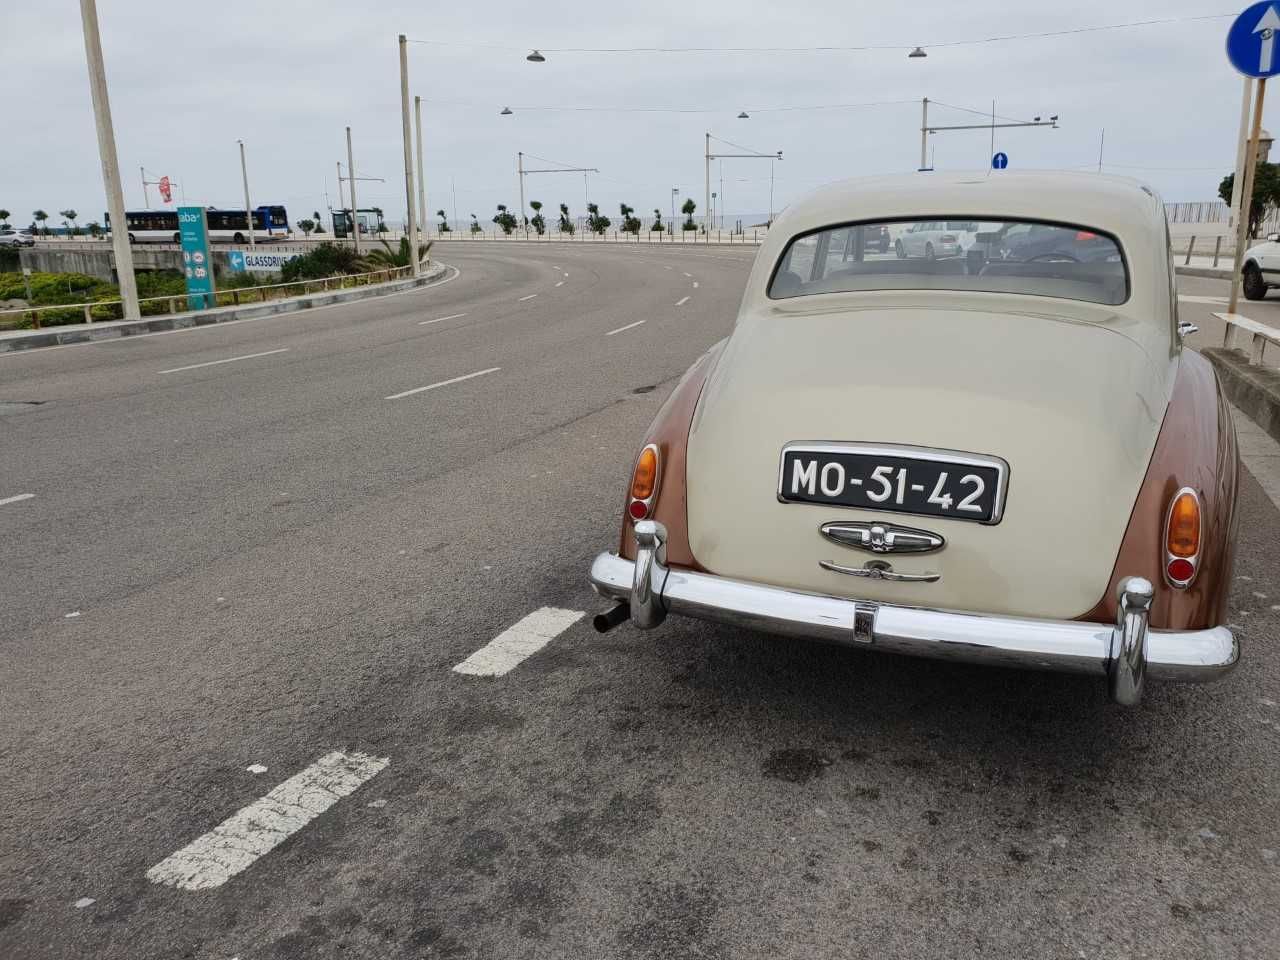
(1071, 394)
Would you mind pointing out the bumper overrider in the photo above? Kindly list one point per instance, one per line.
(1124, 654)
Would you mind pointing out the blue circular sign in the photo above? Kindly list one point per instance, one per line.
(1252, 40)
(1000, 161)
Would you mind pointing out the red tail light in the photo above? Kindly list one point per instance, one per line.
(644, 483)
(1182, 537)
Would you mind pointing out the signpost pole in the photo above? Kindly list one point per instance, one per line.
(412, 224)
(1246, 196)
(707, 191)
(110, 162)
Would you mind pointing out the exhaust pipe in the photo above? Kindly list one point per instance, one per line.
(604, 622)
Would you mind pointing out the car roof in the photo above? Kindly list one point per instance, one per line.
(1117, 205)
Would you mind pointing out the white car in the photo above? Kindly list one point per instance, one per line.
(1261, 269)
(1005, 457)
(10, 237)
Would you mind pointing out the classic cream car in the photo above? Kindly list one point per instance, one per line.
(996, 458)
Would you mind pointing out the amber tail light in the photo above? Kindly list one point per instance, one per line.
(1182, 528)
(644, 484)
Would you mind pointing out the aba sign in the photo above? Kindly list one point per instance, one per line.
(1251, 41)
(197, 264)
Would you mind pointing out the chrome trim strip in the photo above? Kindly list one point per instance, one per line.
(906, 452)
(1066, 645)
(879, 570)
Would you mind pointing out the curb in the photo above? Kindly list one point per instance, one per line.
(1209, 273)
(115, 329)
(1254, 389)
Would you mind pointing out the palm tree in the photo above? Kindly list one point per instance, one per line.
(306, 226)
(70, 215)
(687, 209)
(566, 225)
(4, 217)
(319, 224)
(40, 217)
(539, 222)
(444, 222)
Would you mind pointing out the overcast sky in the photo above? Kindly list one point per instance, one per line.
(187, 79)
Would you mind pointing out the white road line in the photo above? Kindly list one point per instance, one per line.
(689, 275)
(236, 843)
(695, 284)
(682, 301)
(214, 363)
(442, 383)
(529, 297)
(627, 327)
(559, 283)
(566, 276)
(452, 316)
(518, 642)
(16, 498)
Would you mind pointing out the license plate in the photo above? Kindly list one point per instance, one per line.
(901, 479)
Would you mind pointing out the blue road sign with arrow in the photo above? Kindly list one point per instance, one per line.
(1000, 161)
(1251, 41)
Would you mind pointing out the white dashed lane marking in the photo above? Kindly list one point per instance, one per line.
(214, 363)
(16, 497)
(627, 327)
(559, 283)
(689, 275)
(236, 844)
(529, 297)
(682, 301)
(452, 316)
(518, 642)
(442, 383)
(695, 284)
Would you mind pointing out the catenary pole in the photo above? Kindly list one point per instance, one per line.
(244, 175)
(351, 183)
(110, 162)
(412, 225)
(422, 183)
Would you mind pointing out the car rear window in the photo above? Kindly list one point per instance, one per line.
(997, 256)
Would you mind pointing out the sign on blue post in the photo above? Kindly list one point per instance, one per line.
(1251, 41)
(1000, 161)
(197, 264)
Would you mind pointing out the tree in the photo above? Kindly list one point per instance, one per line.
(94, 228)
(40, 217)
(597, 221)
(657, 221)
(306, 226)
(4, 217)
(70, 215)
(630, 224)
(319, 222)
(1266, 193)
(539, 221)
(687, 209)
(475, 225)
(566, 225)
(444, 222)
(382, 225)
(505, 219)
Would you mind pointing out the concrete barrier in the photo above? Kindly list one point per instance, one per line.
(1253, 388)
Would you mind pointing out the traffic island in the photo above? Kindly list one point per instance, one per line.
(1252, 387)
(15, 340)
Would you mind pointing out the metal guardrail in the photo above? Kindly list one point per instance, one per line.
(1262, 334)
(222, 298)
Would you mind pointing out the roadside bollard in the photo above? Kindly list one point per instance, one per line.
(88, 315)
(1217, 248)
(235, 296)
(1191, 246)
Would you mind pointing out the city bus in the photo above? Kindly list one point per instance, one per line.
(229, 226)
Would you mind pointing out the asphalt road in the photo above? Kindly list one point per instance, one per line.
(253, 546)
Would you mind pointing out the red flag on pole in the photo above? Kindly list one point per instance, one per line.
(166, 192)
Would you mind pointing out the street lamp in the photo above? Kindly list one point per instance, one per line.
(916, 54)
(505, 112)
(744, 116)
(536, 57)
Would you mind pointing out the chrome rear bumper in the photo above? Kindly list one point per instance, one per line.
(1123, 653)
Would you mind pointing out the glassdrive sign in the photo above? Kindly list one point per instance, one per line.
(242, 260)
(197, 265)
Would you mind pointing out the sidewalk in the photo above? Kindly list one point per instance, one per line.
(16, 340)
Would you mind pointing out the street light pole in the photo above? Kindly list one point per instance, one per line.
(248, 210)
(707, 192)
(520, 175)
(422, 183)
(351, 182)
(924, 133)
(110, 163)
(412, 225)
(146, 194)
(672, 227)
